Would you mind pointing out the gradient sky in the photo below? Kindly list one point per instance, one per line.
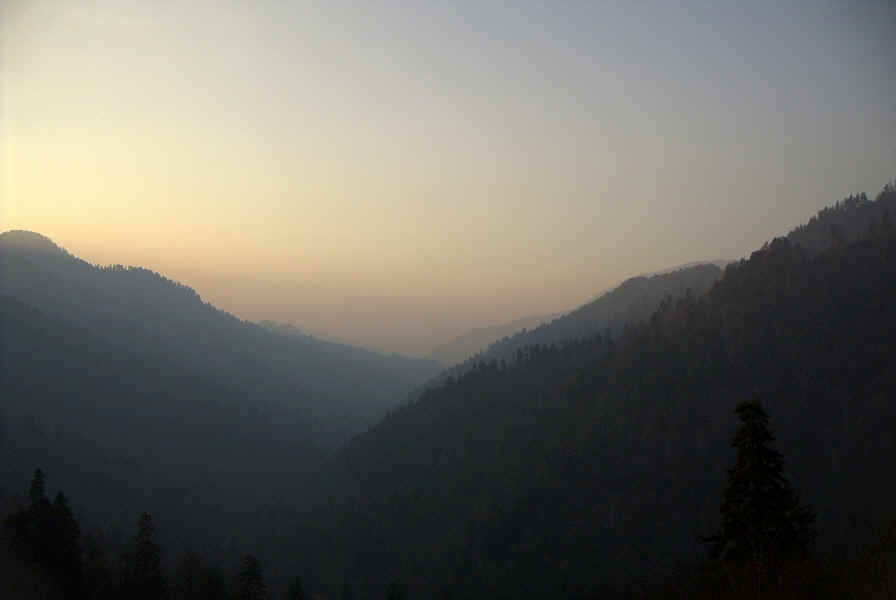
(395, 173)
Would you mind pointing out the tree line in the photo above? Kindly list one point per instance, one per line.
(45, 537)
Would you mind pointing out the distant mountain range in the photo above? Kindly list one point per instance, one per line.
(479, 338)
(633, 300)
(479, 342)
(338, 387)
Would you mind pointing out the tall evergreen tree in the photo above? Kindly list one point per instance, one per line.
(144, 566)
(29, 528)
(66, 555)
(48, 536)
(762, 518)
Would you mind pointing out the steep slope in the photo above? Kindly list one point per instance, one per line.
(130, 431)
(633, 300)
(847, 220)
(339, 387)
(598, 463)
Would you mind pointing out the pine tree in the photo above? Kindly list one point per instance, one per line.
(66, 552)
(144, 566)
(762, 519)
(25, 527)
(40, 532)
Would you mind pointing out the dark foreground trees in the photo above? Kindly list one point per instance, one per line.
(763, 523)
(195, 580)
(46, 535)
(143, 577)
(43, 554)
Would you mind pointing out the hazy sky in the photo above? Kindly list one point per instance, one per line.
(394, 173)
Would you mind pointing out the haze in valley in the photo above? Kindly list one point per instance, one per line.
(395, 176)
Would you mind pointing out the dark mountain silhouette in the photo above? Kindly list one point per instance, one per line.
(140, 396)
(127, 431)
(338, 387)
(847, 220)
(633, 300)
(284, 329)
(587, 466)
(720, 263)
(399, 366)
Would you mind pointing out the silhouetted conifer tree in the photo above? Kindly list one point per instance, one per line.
(65, 548)
(39, 534)
(48, 535)
(144, 578)
(762, 518)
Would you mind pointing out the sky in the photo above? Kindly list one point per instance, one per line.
(392, 174)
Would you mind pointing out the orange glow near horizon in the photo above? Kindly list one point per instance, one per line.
(394, 178)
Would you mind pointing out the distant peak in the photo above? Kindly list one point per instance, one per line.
(719, 263)
(27, 240)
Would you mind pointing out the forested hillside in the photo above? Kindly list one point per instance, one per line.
(126, 432)
(587, 466)
(140, 396)
(339, 388)
(634, 299)
(48, 552)
(847, 220)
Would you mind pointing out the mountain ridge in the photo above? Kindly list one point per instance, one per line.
(138, 308)
(556, 474)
